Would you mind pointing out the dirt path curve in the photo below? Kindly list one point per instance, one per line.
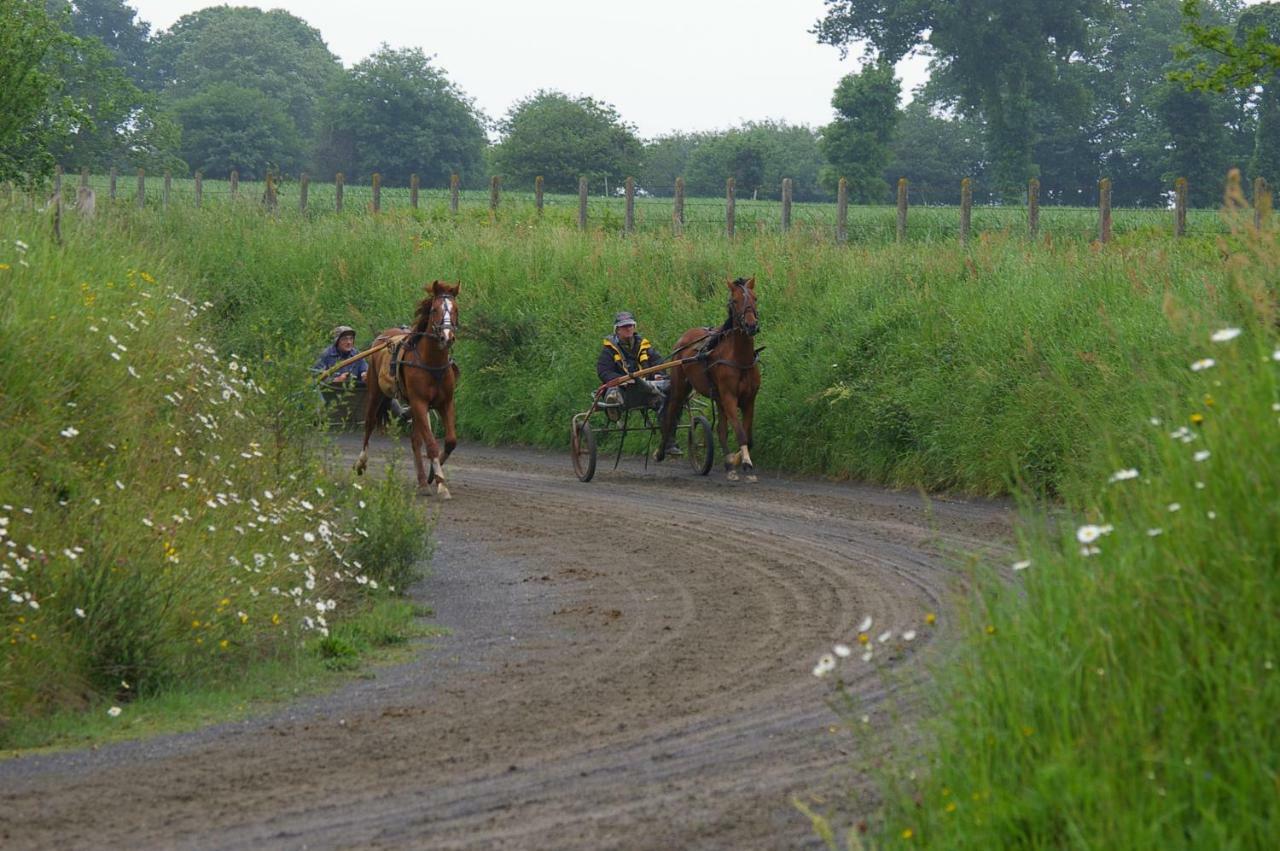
(629, 668)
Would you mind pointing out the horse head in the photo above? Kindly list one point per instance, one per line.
(438, 313)
(742, 306)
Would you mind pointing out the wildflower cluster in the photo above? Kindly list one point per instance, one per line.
(147, 531)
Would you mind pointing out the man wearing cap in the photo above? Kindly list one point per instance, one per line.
(344, 344)
(623, 353)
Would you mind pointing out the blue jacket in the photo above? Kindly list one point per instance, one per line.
(331, 355)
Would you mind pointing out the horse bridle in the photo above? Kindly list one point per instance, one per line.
(740, 317)
(446, 323)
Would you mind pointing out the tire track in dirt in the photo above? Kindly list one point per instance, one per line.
(629, 669)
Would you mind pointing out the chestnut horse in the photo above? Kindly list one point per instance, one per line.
(418, 365)
(726, 369)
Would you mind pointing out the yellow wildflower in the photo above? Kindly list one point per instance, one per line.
(991, 630)
(1197, 418)
(863, 638)
(931, 619)
(951, 807)
(908, 833)
(275, 620)
(224, 644)
(195, 624)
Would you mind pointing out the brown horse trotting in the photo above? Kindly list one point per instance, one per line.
(418, 365)
(726, 370)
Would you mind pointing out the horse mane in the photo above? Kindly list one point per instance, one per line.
(423, 314)
(728, 322)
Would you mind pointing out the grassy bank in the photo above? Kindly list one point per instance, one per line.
(924, 366)
(1122, 690)
(166, 518)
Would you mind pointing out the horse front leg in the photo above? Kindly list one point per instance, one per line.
(748, 414)
(450, 416)
(729, 414)
(422, 436)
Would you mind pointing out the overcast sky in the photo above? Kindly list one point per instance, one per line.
(665, 64)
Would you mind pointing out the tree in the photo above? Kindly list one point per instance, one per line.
(227, 127)
(757, 155)
(27, 36)
(1243, 57)
(1261, 25)
(1002, 56)
(219, 54)
(561, 138)
(857, 143)
(935, 152)
(108, 120)
(395, 114)
(665, 159)
(115, 24)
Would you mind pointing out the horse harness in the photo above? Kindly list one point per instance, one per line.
(410, 342)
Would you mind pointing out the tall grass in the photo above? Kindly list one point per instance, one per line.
(913, 365)
(1123, 691)
(163, 514)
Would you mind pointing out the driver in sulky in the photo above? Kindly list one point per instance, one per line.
(625, 352)
(343, 347)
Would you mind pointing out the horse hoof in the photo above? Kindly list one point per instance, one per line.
(732, 475)
(443, 492)
(657, 455)
(752, 478)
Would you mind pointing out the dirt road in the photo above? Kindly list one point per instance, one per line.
(630, 667)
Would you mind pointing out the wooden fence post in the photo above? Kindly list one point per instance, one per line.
(582, 203)
(1180, 207)
(376, 182)
(1261, 202)
(677, 208)
(57, 182)
(269, 194)
(537, 194)
(842, 211)
(966, 210)
(902, 209)
(235, 184)
(111, 190)
(729, 207)
(495, 195)
(142, 188)
(413, 191)
(168, 186)
(454, 180)
(629, 222)
(199, 188)
(304, 186)
(339, 182)
(786, 204)
(1033, 208)
(1104, 210)
(84, 177)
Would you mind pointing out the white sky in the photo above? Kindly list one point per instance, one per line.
(665, 64)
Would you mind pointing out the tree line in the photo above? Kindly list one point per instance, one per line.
(1066, 91)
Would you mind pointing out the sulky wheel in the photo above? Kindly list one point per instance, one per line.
(701, 449)
(582, 446)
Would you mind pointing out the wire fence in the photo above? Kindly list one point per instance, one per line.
(695, 216)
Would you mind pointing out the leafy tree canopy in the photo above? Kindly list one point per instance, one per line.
(1243, 56)
(275, 54)
(757, 155)
(116, 25)
(396, 114)
(562, 138)
(857, 143)
(27, 36)
(226, 127)
(1001, 56)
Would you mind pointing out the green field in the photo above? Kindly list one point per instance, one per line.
(703, 216)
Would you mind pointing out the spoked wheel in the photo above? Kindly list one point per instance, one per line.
(583, 448)
(701, 449)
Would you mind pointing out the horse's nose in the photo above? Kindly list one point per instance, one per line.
(446, 337)
(753, 329)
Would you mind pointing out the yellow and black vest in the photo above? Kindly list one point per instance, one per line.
(642, 354)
